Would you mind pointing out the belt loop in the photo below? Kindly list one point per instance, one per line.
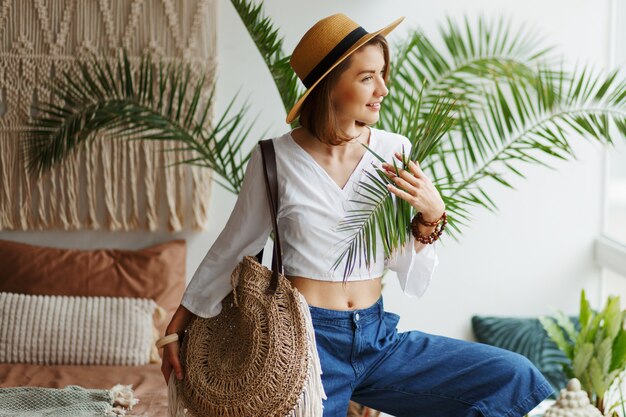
(381, 309)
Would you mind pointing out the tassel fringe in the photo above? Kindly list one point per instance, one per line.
(175, 406)
(310, 402)
(123, 400)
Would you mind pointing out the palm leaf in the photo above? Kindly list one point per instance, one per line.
(157, 102)
(379, 213)
(473, 54)
(506, 91)
(269, 43)
(518, 125)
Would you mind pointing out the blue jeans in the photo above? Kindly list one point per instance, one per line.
(413, 373)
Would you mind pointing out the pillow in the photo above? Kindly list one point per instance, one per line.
(60, 330)
(156, 272)
(525, 336)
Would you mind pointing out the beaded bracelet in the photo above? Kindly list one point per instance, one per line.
(435, 233)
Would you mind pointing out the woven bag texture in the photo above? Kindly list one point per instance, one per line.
(257, 357)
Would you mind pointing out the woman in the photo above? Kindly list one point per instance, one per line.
(319, 164)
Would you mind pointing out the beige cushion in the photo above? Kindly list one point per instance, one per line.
(61, 330)
(156, 272)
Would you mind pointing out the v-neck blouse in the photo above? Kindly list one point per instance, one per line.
(366, 156)
(311, 208)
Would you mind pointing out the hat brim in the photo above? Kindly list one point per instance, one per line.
(295, 110)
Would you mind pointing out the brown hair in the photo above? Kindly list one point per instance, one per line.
(317, 113)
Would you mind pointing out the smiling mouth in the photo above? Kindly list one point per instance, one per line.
(375, 106)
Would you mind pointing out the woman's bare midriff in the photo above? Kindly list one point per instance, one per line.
(335, 296)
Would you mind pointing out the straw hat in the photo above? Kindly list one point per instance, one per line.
(324, 46)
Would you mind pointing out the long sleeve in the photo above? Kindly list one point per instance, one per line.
(414, 269)
(245, 233)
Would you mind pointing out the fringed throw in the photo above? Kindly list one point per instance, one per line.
(71, 401)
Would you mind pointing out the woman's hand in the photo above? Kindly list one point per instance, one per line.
(171, 361)
(416, 189)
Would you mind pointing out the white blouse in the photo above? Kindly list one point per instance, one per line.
(311, 206)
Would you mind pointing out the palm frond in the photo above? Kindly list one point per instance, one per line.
(270, 45)
(509, 108)
(473, 55)
(157, 102)
(521, 125)
(378, 211)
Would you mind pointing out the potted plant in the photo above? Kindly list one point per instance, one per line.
(596, 350)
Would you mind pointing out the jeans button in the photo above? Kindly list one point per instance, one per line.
(356, 316)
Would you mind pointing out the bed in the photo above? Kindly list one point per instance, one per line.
(156, 272)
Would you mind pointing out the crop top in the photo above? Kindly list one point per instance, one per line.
(311, 205)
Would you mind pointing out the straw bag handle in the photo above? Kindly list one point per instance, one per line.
(271, 185)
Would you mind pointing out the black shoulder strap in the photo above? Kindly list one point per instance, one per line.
(271, 183)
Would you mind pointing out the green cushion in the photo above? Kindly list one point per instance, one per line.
(527, 337)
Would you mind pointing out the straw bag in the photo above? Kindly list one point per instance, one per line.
(258, 356)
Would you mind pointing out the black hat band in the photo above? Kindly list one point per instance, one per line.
(332, 57)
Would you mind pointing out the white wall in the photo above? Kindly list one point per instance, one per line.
(535, 254)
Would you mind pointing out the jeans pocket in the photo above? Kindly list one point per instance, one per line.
(392, 320)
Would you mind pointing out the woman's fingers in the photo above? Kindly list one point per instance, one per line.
(402, 183)
(171, 356)
(405, 184)
(403, 174)
(178, 370)
(413, 166)
(166, 369)
(400, 193)
(412, 185)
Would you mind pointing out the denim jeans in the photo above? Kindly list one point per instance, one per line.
(365, 358)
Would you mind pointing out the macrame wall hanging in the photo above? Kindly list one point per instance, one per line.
(110, 184)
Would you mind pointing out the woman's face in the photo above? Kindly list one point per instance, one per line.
(360, 86)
